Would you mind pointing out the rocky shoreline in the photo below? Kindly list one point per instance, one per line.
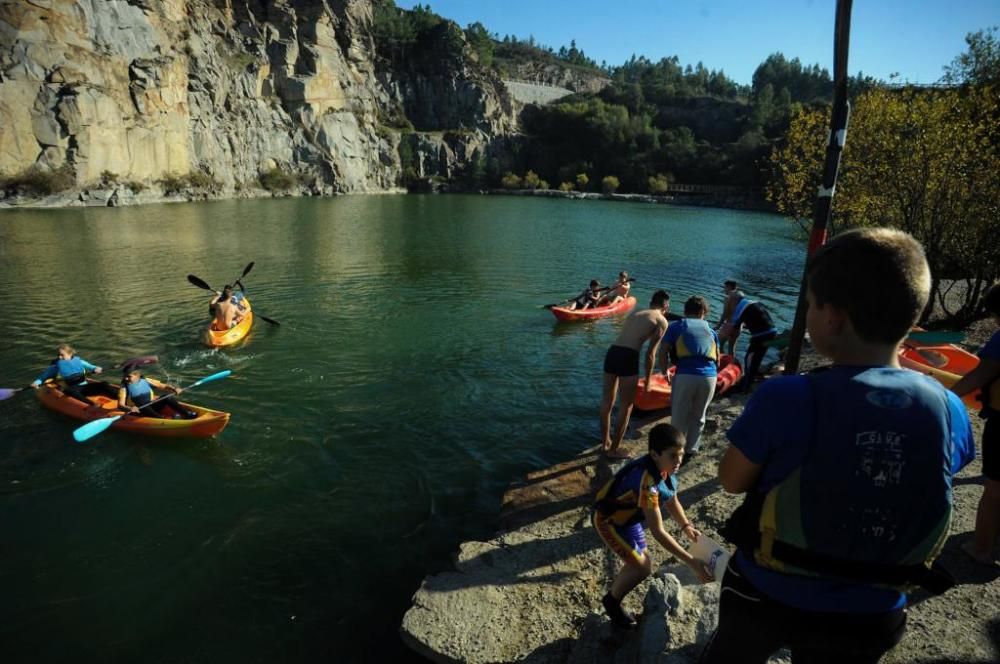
(532, 593)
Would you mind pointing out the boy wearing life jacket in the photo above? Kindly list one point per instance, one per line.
(72, 370)
(633, 498)
(694, 346)
(847, 471)
(136, 396)
(986, 375)
(588, 298)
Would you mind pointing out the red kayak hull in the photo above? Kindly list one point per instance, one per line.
(620, 307)
(658, 396)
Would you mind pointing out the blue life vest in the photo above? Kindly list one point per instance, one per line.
(71, 371)
(872, 501)
(140, 392)
(695, 347)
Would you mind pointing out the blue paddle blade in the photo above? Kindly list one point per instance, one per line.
(209, 379)
(7, 393)
(91, 429)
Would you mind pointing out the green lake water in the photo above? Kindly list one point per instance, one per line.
(414, 376)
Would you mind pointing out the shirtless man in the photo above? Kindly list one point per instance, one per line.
(227, 314)
(621, 367)
(619, 291)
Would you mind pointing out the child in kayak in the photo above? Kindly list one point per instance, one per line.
(632, 499)
(136, 395)
(588, 298)
(228, 313)
(618, 292)
(987, 376)
(72, 370)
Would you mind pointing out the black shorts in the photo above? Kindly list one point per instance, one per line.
(622, 362)
(991, 449)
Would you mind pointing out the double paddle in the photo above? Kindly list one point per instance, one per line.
(603, 289)
(91, 429)
(195, 281)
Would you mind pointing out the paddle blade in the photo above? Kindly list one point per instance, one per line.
(91, 429)
(7, 393)
(140, 361)
(209, 379)
(266, 319)
(195, 281)
(247, 269)
(936, 337)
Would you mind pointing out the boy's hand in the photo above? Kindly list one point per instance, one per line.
(701, 571)
(98, 370)
(691, 532)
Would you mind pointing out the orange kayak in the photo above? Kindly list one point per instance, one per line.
(945, 364)
(620, 307)
(207, 424)
(216, 338)
(658, 395)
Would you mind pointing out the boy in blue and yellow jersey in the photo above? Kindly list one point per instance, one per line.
(631, 499)
(986, 375)
(847, 471)
(694, 346)
(72, 370)
(136, 396)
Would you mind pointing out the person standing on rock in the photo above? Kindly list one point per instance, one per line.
(632, 499)
(757, 320)
(727, 331)
(694, 346)
(847, 472)
(621, 367)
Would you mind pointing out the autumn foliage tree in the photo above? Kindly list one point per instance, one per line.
(924, 161)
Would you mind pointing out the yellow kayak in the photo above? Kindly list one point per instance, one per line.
(217, 338)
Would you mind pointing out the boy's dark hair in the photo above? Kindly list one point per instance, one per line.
(696, 306)
(659, 298)
(594, 283)
(729, 283)
(879, 276)
(665, 437)
(991, 301)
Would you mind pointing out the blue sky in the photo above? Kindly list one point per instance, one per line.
(915, 38)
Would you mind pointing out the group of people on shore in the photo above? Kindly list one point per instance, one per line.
(847, 471)
(135, 392)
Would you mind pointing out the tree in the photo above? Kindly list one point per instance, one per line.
(566, 186)
(981, 64)
(531, 180)
(609, 184)
(924, 161)
(659, 184)
(582, 181)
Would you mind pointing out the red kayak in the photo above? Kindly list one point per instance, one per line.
(658, 395)
(620, 307)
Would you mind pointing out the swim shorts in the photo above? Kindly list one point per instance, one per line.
(622, 362)
(628, 542)
(991, 449)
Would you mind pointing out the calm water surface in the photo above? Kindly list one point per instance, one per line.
(413, 377)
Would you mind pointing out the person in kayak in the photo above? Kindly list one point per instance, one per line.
(986, 375)
(136, 395)
(617, 292)
(633, 499)
(621, 367)
(72, 370)
(588, 298)
(727, 331)
(228, 313)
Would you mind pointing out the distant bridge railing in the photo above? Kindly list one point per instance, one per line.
(715, 190)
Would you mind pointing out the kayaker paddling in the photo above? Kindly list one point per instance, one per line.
(617, 292)
(136, 397)
(228, 313)
(621, 367)
(72, 370)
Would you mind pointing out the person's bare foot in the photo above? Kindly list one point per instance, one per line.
(617, 453)
(605, 445)
(970, 549)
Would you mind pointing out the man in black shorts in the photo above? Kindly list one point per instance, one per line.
(621, 367)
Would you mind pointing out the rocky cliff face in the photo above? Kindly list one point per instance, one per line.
(141, 90)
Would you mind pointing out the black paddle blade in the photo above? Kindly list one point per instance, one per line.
(195, 281)
(246, 270)
(269, 320)
(141, 361)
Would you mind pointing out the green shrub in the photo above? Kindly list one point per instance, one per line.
(658, 185)
(582, 181)
(173, 183)
(543, 184)
(40, 182)
(566, 186)
(610, 184)
(107, 177)
(135, 186)
(531, 180)
(510, 181)
(278, 180)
